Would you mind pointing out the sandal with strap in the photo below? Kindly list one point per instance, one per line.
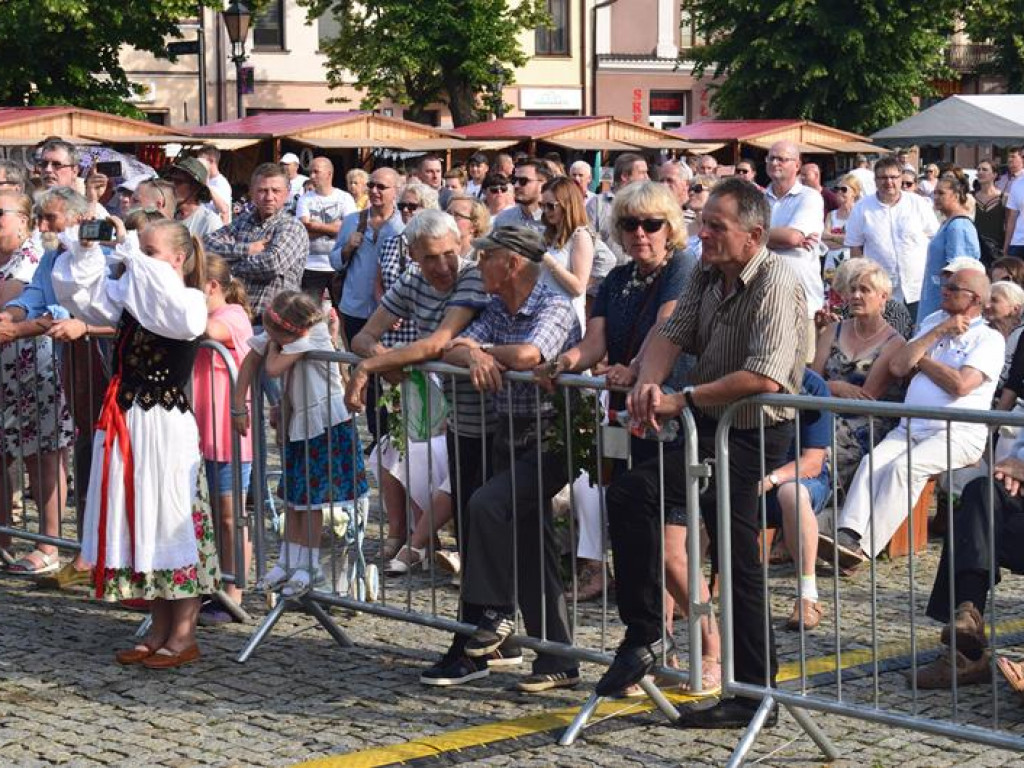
(407, 559)
(36, 563)
(710, 678)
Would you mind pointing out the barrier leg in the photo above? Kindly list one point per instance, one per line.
(580, 721)
(739, 755)
(659, 699)
(327, 622)
(262, 631)
(817, 735)
(144, 627)
(235, 609)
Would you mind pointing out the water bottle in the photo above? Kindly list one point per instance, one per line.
(666, 432)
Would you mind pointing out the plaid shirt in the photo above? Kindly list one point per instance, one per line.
(546, 320)
(278, 267)
(394, 262)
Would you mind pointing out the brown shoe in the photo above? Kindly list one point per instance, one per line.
(134, 655)
(812, 613)
(969, 628)
(939, 674)
(164, 659)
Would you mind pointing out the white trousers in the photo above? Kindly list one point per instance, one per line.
(892, 478)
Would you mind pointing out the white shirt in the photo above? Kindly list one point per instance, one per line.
(222, 187)
(802, 209)
(295, 191)
(867, 180)
(325, 209)
(1015, 202)
(896, 236)
(980, 347)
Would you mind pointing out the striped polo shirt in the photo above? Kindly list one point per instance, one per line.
(760, 327)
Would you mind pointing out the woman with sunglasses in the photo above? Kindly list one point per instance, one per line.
(498, 193)
(956, 237)
(700, 190)
(848, 192)
(570, 245)
(634, 299)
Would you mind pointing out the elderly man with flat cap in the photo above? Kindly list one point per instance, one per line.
(525, 324)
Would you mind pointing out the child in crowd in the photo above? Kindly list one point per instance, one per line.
(143, 531)
(323, 463)
(228, 323)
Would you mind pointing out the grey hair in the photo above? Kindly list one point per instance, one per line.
(53, 144)
(75, 204)
(430, 224)
(581, 164)
(1010, 291)
(426, 196)
(14, 172)
(752, 209)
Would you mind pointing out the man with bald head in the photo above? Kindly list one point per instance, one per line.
(810, 176)
(357, 249)
(157, 194)
(957, 359)
(321, 211)
(798, 218)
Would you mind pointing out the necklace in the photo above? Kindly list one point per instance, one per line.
(637, 282)
(869, 337)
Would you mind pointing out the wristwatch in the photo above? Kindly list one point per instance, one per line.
(774, 480)
(688, 397)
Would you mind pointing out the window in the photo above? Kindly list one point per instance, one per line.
(327, 28)
(554, 40)
(268, 29)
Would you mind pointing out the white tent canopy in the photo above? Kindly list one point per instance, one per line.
(989, 119)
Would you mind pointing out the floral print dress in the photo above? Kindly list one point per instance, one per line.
(35, 414)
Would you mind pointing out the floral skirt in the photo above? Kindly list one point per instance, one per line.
(201, 578)
(334, 469)
(35, 415)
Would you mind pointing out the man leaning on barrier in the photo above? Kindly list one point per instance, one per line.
(743, 314)
(525, 324)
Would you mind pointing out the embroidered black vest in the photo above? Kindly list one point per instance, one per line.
(154, 370)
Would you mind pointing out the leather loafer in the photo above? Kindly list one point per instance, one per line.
(727, 713)
(134, 655)
(630, 665)
(163, 659)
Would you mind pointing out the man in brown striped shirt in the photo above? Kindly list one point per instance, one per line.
(743, 315)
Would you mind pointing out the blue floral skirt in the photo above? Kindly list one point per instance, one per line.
(331, 462)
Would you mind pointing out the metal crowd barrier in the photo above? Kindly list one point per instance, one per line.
(864, 644)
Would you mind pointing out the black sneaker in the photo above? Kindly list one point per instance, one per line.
(493, 630)
(454, 671)
(846, 544)
(508, 654)
(549, 680)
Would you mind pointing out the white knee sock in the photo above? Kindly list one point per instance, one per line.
(809, 588)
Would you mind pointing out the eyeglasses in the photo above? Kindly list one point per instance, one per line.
(886, 178)
(463, 216)
(376, 185)
(522, 181)
(498, 189)
(779, 159)
(632, 224)
(952, 288)
(12, 211)
(6, 183)
(55, 164)
(408, 206)
(696, 189)
(908, 184)
(844, 190)
(549, 206)
(743, 171)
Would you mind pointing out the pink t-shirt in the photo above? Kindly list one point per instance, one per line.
(206, 397)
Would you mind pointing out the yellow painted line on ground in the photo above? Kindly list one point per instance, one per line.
(555, 719)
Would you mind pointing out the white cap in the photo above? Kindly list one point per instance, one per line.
(289, 158)
(964, 262)
(133, 183)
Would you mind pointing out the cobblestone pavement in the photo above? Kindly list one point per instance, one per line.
(64, 702)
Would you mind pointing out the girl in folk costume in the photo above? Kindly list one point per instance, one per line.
(323, 463)
(144, 531)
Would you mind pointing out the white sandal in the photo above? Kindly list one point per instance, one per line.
(398, 566)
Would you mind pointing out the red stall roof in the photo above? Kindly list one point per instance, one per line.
(523, 127)
(731, 130)
(272, 124)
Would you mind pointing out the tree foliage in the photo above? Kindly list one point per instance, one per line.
(427, 51)
(854, 64)
(67, 51)
(999, 22)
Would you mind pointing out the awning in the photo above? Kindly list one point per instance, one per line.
(144, 138)
(803, 149)
(852, 147)
(427, 145)
(493, 145)
(592, 145)
(652, 142)
(353, 143)
(703, 149)
(972, 120)
(17, 141)
(224, 145)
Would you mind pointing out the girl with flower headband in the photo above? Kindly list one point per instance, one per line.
(323, 463)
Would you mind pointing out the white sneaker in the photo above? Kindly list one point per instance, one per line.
(300, 581)
(273, 578)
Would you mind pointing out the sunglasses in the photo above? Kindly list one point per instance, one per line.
(957, 289)
(522, 181)
(632, 224)
(908, 184)
(408, 206)
(743, 171)
(499, 188)
(376, 185)
(844, 190)
(696, 189)
(549, 207)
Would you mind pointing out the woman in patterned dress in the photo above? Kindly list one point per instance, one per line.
(144, 532)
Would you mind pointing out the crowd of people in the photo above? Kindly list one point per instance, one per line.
(685, 286)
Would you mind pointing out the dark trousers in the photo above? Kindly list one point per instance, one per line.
(634, 524)
(467, 472)
(513, 507)
(971, 561)
(315, 281)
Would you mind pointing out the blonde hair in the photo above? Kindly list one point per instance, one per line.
(479, 216)
(851, 181)
(22, 202)
(649, 198)
(234, 292)
(852, 270)
(194, 267)
(141, 218)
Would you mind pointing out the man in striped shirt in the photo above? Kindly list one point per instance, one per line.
(742, 315)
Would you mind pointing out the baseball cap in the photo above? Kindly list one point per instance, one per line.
(963, 262)
(132, 184)
(525, 241)
(478, 157)
(288, 158)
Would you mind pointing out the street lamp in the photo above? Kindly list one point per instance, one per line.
(236, 19)
(499, 78)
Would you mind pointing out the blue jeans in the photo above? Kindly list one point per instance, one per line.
(218, 477)
(818, 488)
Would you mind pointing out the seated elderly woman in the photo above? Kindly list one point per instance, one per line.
(635, 298)
(1004, 314)
(853, 357)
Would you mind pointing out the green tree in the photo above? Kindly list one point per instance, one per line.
(854, 64)
(422, 52)
(999, 22)
(67, 51)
